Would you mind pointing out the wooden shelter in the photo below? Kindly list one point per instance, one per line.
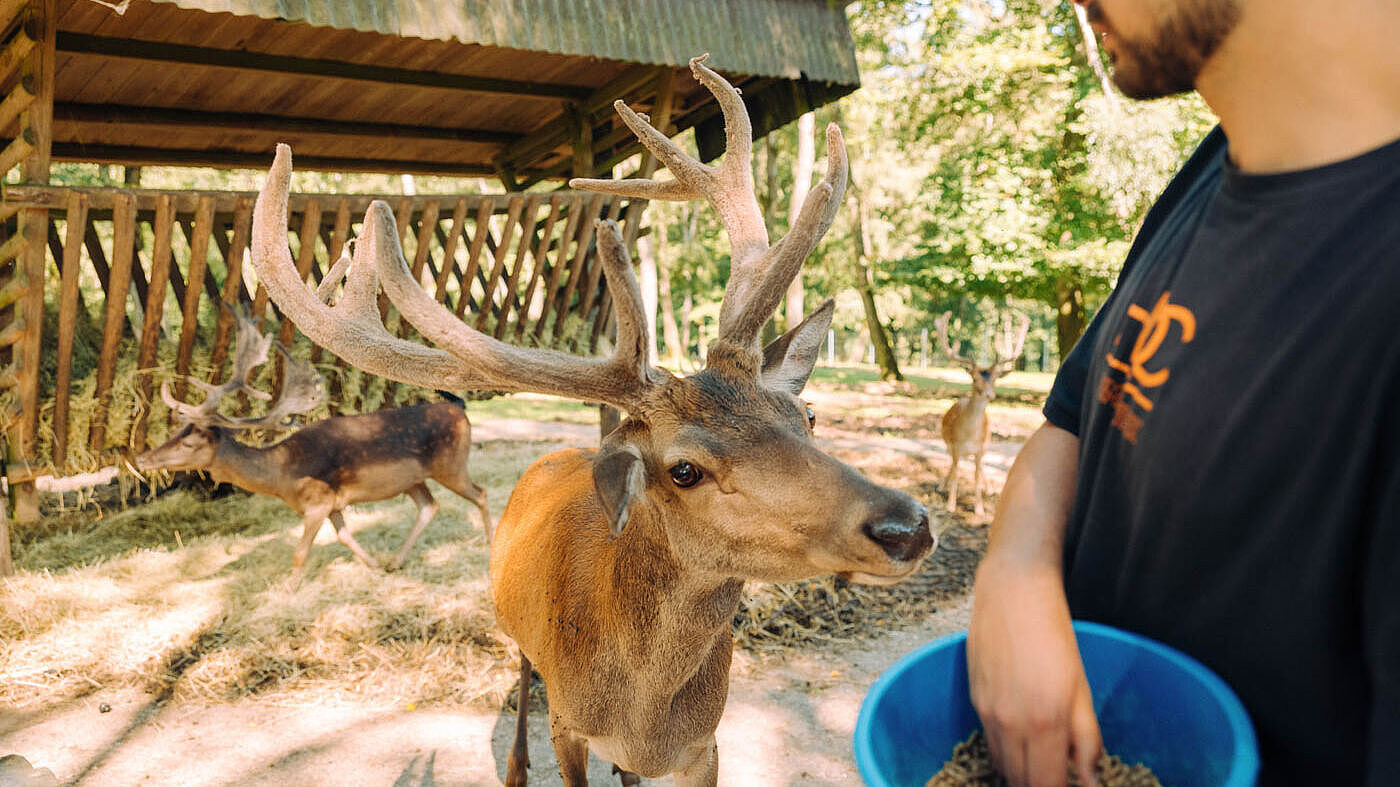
(518, 90)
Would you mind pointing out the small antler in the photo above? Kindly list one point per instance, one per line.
(1008, 349)
(302, 388)
(464, 359)
(958, 358)
(759, 273)
(250, 352)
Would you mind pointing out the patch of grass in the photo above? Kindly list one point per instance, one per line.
(534, 407)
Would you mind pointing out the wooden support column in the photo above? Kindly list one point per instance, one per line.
(37, 124)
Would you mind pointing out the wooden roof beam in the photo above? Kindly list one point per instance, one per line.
(555, 134)
(112, 114)
(157, 51)
(235, 159)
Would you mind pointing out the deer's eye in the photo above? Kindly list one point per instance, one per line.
(685, 475)
(811, 418)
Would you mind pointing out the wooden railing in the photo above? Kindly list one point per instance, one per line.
(132, 283)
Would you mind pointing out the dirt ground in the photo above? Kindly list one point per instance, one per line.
(789, 719)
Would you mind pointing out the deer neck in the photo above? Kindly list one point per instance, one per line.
(678, 620)
(261, 470)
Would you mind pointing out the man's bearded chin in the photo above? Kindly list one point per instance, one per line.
(1171, 61)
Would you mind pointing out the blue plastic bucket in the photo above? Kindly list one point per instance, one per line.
(1155, 704)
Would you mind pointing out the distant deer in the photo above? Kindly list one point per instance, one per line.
(965, 426)
(618, 571)
(325, 466)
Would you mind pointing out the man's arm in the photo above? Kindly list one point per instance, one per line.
(1027, 680)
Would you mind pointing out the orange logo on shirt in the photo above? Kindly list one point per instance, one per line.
(1156, 325)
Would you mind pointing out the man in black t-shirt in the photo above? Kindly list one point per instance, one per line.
(1220, 467)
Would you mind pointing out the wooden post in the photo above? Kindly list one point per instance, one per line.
(37, 119)
(67, 322)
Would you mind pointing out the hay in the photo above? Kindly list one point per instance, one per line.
(120, 599)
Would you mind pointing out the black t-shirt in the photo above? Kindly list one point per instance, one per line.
(1237, 401)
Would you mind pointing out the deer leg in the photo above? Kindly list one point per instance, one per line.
(977, 483)
(518, 765)
(427, 509)
(572, 752)
(977, 476)
(629, 779)
(343, 533)
(469, 490)
(952, 483)
(703, 770)
(311, 522)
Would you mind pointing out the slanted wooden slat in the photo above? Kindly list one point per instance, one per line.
(576, 203)
(528, 227)
(12, 247)
(233, 285)
(118, 281)
(163, 230)
(189, 315)
(481, 230)
(576, 268)
(19, 99)
(449, 250)
(427, 223)
(67, 323)
(21, 44)
(488, 299)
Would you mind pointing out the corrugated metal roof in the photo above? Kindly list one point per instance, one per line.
(775, 38)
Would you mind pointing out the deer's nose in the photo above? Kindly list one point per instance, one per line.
(902, 536)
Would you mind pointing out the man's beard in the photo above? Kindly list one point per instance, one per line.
(1170, 61)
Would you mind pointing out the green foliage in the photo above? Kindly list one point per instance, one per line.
(1031, 182)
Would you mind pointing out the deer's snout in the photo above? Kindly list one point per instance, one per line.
(904, 535)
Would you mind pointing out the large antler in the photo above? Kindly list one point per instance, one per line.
(759, 273)
(958, 358)
(301, 386)
(464, 359)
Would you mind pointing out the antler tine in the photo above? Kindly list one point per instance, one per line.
(464, 359)
(728, 186)
(302, 390)
(784, 260)
(1016, 345)
(942, 323)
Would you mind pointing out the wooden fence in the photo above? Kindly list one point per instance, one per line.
(129, 293)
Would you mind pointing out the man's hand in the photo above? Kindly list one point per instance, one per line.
(1027, 679)
(1023, 663)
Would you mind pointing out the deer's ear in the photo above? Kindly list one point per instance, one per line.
(788, 361)
(619, 477)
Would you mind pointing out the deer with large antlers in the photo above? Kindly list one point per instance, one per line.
(965, 427)
(325, 466)
(618, 571)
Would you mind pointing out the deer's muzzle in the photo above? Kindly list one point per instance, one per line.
(903, 537)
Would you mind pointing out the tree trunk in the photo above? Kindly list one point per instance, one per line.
(668, 317)
(686, 305)
(801, 186)
(865, 282)
(647, 281)
(1070, 319)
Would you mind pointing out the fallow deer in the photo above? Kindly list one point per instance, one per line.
(618, 571)
(965, 426)
(325, 466)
